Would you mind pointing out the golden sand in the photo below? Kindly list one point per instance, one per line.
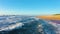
(50, 17)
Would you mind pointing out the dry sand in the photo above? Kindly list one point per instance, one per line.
(50, 17)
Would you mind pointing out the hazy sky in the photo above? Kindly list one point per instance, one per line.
(29, 7)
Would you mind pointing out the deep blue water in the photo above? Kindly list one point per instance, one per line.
(25, 25)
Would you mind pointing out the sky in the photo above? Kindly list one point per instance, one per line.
(29, 7)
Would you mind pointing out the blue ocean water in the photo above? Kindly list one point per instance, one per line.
(25, 25)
